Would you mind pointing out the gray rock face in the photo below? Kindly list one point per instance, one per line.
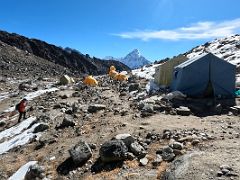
(41, 128)
(96, 107)
(80, 153)
(126, 138)
(35, 172)
(137, 149)
(183, 111)
(114, 150)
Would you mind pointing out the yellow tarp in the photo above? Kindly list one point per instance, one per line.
(164, 72)
(90, 81)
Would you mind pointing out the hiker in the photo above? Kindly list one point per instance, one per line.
(21, 107)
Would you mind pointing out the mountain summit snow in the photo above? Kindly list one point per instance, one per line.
(133, 60)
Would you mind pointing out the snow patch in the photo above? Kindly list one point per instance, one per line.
(145, 72)
(35, 94)
(19, 140)
(21, 172)
(15, 130)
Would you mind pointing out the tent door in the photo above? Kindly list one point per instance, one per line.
(209, 92)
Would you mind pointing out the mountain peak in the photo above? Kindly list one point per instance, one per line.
(135, 51)
(133, 60)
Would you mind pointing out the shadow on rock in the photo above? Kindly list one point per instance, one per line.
(99, 166)
(68, 165)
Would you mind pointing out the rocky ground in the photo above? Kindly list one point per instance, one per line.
(116, 131)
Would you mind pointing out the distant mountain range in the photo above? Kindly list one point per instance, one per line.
(67, 58)
(133, 60)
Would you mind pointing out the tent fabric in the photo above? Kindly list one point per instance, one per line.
(193, 77)
(90, 81)
(121, 77)
(164, 72)
(65, 79)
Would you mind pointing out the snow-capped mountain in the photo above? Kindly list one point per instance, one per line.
(133, 60)
(226, 48)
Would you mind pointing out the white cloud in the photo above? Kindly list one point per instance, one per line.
(200, 30)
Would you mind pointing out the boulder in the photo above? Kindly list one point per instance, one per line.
(183, 111)
(80, 153)
(235, 110)
(126, 138)
(66, 123)
(148, 108)
(96, 107)
(113, 150)
(40, 128)
(134, 87)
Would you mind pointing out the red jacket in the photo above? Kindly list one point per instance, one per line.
(22, 106)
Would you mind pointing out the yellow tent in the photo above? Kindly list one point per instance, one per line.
(121, 77)
(112, 68)
(113, 73)
(65, 79)
(90, 81)
(164, 72)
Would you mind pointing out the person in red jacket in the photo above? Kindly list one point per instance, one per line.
(22, 109)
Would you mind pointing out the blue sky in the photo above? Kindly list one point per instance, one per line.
(158, 28)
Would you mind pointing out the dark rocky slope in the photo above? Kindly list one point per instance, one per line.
(69, 58)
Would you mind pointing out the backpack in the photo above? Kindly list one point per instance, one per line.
(17, 106)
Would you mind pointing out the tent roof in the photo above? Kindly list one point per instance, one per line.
(190, 61)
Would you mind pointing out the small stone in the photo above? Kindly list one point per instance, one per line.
(183, 111)
(130, 156)
(177, 145)
(195, 142)
(96, 107)
(224, 166)
(137, 149)
(143, 161)
(225, 171)
(93, 146)
(157, 161)
(219, 173)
